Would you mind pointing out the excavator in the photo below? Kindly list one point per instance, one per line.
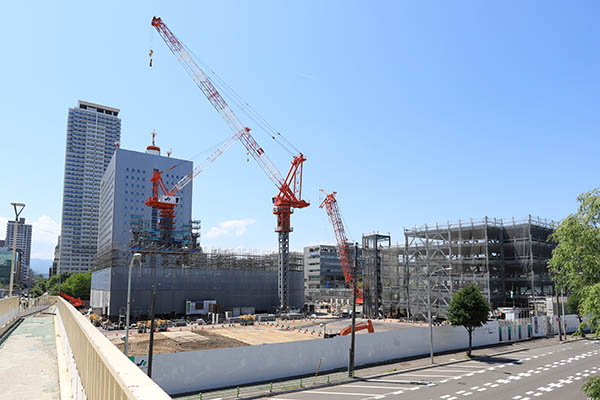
(358, 327)
(368, 325)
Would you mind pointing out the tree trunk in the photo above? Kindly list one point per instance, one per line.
(470, 341)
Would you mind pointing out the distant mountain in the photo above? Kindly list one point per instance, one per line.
(40, 266)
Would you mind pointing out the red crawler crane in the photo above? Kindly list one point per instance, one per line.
(333, 211)
(290, 188)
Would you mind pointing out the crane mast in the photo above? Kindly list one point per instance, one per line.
(335, 217)
(290, 188)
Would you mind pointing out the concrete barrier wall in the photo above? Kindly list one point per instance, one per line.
(205, 369)
(104, 371)
(9, 308)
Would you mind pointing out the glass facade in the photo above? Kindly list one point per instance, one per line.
(93, 132)
(5, 264)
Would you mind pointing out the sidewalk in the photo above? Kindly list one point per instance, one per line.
(423, 362)
(29, 361)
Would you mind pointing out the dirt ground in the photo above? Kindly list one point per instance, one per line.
(171, 342)
(208, 337)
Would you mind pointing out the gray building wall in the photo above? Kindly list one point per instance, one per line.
(92, 131)
(230, 287)
(23, 239)
(124, 188)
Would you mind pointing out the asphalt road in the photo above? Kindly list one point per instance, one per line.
(551, 372)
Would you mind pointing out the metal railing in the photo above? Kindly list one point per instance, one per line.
(104, 371)
(271, 388)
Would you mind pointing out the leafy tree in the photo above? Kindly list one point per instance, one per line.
(592, 388)
(575, 263)
(78, 285)
(470, 309)
(50, 285)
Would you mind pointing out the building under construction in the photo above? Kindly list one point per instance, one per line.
(172, 258)
(507, 259)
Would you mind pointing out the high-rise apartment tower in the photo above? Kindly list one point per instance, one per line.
(93, 131)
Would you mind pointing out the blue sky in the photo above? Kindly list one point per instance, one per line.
(414, 112)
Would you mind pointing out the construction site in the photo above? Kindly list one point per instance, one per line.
(223, 335)
(507, 259)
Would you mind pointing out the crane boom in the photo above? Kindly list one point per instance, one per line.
(212, 157)
(335, 217)
(218, 102)
(290, 188)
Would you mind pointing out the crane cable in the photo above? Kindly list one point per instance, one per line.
(209, 149)
(254, 115)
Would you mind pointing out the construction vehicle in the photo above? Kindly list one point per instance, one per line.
(95, 319)
(74, 301)
(335, 217)
(358, 327)
(161, 325)
(247, 319)
(289, 194)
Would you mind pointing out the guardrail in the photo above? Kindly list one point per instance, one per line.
(9, 308)
(104, 372)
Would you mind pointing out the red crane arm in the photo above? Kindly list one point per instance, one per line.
(333, 211)
(242, 133)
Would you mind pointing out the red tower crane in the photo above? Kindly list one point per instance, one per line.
(290, 188)
(166, 200)
(335, 217)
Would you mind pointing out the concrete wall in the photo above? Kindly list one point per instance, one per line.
(231, 288)
(206, 369)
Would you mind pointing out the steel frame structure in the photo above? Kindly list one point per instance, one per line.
(499, 256)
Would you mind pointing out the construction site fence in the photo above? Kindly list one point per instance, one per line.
(102, 370)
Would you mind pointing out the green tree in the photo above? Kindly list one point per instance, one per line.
(575, 262)
(470, 309)
(78, 285)
(592, 388)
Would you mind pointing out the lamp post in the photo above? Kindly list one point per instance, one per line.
(136, 256)
(429, 275)
(14, 253)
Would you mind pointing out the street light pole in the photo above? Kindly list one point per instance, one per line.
(136, 256)
(151, 344)
(14, 253)
(429, 317)
(429, 275)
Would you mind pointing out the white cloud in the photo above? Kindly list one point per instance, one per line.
(235, 227)
(45, 232)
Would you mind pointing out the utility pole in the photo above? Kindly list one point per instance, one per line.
(151, 345)
(353, 334)
(14, 253)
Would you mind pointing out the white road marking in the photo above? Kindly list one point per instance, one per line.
(344, 393)
(375, 387)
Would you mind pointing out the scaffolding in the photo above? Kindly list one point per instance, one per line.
(506, 259)
(183, 250)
